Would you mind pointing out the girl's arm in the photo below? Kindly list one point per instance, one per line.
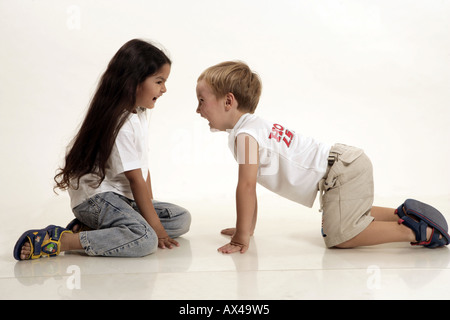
(149, 185)
(141, 189)
(246, 200)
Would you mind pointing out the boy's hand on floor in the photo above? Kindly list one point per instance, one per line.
(238, 243)
(228, 231)
(233, 247)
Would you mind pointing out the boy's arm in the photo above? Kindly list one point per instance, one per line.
(231, 231)
(247, 154)
(140, 189)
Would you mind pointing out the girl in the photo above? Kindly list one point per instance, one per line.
(106, 169)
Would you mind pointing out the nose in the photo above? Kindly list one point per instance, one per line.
(163, 88)
(198, 109)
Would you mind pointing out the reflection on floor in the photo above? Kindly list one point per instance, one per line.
(286, 260)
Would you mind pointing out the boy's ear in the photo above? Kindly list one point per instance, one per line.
(229, 101)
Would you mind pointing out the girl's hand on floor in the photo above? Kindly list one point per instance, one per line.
(167, 242)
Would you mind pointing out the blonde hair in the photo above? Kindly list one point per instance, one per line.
(237, 78)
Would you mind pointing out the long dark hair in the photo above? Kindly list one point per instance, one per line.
(113, 101)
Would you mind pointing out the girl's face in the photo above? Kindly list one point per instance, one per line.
(210, 107)
(152, 88)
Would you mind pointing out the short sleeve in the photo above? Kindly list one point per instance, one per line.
(124, 155)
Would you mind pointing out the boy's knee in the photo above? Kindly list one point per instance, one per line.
(346, 245)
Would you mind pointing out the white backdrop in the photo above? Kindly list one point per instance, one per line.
(374, 74)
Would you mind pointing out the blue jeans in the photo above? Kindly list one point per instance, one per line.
(119, 230)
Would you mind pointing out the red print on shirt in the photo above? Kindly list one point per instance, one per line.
(280, 134)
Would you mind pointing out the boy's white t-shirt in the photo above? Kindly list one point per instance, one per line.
(291, 165)
(130, 151)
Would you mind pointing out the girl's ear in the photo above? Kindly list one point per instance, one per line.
(139, 88)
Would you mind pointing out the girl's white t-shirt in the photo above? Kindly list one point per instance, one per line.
(290, 164)
(130, 151)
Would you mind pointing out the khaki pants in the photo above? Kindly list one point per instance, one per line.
(346, 195)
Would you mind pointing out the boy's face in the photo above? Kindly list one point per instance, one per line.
(210, 107)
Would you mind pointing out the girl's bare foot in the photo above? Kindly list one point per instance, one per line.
(26, 249)
(68, 241)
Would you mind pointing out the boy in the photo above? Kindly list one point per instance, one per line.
(296, 167)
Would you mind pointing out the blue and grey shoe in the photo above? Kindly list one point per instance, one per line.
(418, 216)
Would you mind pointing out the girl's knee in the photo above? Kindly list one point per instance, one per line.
(150, 243)
(149, 247)
(145, 244)
(182, 225)
(186, 221)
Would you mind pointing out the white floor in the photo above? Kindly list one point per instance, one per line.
(287, 260)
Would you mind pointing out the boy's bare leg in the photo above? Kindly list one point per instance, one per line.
(384, 214)
(384, 229)
(379, 232)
